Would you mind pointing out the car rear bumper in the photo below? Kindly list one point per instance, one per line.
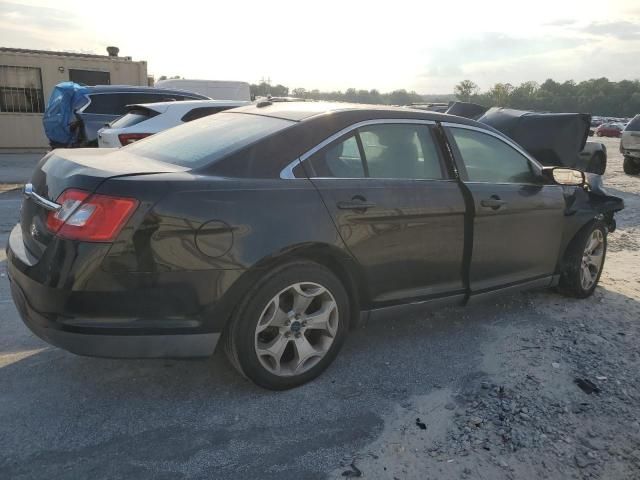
(98, 337)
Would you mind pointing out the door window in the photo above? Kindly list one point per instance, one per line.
(341, 159)
(400, 151)
(489, 159)
(393, 151)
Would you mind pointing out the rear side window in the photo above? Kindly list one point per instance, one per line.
(340, 159)
(134, 117)
(116, 103)
(633, 125)
(392, 151)
(489, 159)
(200, 112)
(401, 151)
(200, 143)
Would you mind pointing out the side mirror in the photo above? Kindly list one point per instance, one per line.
(568, 176)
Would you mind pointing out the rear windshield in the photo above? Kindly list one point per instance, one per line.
(133, 118)
(634, 125)
(208, 139)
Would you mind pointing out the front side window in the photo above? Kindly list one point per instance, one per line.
(195, 144)
(489, 159)
(341, 159)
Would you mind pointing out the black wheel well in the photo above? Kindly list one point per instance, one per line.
(341, 265)
(575, 237)
(337, 261)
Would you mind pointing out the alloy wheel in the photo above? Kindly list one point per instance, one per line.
(296, 329)
(592, 259)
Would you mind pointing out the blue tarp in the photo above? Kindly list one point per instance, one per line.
(65, 98)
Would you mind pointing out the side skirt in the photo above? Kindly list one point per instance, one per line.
(544, 282)
(411, 308)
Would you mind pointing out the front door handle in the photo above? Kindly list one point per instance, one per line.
(355, 205)
(494, 202)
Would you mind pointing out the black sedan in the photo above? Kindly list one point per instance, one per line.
(275, 227)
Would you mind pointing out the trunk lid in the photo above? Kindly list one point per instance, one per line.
(83, 169)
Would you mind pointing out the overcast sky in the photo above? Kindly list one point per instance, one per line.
(427, 46)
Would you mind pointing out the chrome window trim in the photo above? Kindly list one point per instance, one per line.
(287, 172)
(43, 202)
(506, 140)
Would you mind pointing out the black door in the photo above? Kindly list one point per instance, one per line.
(396, 209)
(518, 219)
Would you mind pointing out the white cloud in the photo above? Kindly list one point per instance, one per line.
(426, 46)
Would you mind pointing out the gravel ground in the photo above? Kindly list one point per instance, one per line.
(556, 394)
(484, 392)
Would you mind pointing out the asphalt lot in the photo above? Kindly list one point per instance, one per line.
(65, 416)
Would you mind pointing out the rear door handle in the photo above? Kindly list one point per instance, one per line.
(355, 205)
(494, 202)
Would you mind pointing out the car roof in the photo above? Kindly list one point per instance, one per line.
(303, 111)
(134, 88)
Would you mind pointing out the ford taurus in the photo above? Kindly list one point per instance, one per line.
(275, 227)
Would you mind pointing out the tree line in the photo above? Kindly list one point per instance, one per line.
(597, 96)
(397, 97)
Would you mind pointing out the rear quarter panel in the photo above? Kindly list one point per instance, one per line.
(204, 223)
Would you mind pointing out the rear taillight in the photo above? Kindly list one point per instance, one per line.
(90, 218)
(127, 138)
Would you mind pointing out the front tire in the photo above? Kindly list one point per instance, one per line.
(290, 327)
(631, 166)
(584, 261)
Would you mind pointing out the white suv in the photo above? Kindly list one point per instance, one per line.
(140, 121)
(630, 146)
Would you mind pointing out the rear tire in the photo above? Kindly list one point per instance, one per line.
(631, 166)
(584, 261)
(290, 326)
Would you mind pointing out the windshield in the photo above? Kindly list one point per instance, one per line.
(634, 125)
(206, 140)
(133, 118)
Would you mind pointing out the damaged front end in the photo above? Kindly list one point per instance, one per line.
(592, 201)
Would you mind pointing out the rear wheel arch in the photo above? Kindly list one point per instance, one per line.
(337, 261)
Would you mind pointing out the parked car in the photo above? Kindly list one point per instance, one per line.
(214, 89)
(100, 105)
(144, 120)
(276, 227)
(630, 147)
(609, 130)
